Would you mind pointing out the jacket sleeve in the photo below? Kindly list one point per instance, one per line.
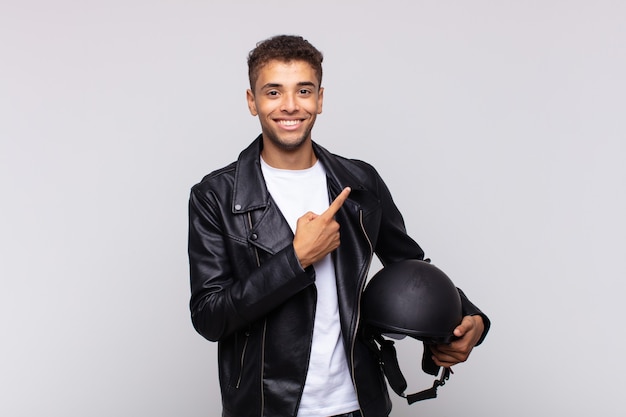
(395, 245)
(223, 301)
(469, 309)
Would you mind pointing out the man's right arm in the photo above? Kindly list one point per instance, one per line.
(223, 300)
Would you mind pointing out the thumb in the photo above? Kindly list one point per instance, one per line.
(308, 216)
(464, 327)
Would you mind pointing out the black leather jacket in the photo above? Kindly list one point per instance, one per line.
(249, 292)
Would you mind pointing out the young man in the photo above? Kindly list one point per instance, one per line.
(280, 244)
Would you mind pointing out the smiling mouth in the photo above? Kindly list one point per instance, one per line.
(289, 122)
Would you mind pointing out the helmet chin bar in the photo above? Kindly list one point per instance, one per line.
(397, 382)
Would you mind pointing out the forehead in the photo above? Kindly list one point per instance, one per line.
(286, 72)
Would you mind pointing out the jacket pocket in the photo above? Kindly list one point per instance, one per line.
(242, 357)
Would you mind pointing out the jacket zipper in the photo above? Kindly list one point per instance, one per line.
(263, 366)
(243, 356)
(258, 264)
(358, 308)
(247, 334)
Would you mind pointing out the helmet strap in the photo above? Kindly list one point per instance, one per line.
(397, 382)
(389, 359)
(430, 392)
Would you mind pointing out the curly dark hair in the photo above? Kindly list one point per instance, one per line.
(284, 48)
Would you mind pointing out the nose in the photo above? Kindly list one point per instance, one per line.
(289, 103)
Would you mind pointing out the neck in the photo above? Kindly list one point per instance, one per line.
(302, 157)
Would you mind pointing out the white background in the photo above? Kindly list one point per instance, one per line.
(499, 127)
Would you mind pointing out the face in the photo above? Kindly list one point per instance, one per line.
(287, 98)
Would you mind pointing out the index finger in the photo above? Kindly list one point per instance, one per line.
(337, 203)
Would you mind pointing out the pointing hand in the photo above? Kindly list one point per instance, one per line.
(318, 235)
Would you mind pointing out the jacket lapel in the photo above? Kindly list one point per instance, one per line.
(267, 228)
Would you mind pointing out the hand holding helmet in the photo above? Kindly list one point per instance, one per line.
(467, 335)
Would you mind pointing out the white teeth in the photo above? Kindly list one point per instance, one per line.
(289, 122)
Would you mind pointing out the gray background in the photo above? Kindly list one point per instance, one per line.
(498, 125)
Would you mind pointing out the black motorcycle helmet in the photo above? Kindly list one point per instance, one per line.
(410, 298)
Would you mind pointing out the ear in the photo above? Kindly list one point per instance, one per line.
(251, 102)
(320, 100)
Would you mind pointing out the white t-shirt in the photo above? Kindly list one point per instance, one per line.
(328, 389)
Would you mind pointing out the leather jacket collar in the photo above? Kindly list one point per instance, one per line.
(250, 192)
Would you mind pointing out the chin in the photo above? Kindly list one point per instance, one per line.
(288, 145)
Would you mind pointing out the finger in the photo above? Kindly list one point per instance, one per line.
(464, 327)
(337, 203)
(308, 216)
(445, 364)
(449, 357)
(443, 359)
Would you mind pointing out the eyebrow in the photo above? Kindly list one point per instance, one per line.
(300, 84)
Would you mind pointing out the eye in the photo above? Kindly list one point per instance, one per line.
(272, 93)
(305, 92)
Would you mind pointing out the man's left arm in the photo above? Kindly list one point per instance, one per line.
(393, 245)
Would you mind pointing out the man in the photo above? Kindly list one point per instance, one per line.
(280, 245)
